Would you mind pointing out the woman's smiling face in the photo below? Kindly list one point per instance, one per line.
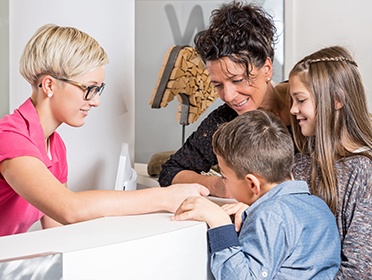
(241, 93)
(68, 104)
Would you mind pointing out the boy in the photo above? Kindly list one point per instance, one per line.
(286, 233)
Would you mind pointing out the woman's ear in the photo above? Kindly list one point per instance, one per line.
(46, 85)
(253, 183)
(268, 69)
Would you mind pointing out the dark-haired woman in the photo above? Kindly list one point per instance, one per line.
(238, 51)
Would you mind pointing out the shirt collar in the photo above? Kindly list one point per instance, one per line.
(285, 188)
(29, 113)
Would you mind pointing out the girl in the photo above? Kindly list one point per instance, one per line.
(332, 130)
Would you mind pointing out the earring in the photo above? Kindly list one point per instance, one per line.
(268, 79)
(50, 94)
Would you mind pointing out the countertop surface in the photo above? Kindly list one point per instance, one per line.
(93, 233)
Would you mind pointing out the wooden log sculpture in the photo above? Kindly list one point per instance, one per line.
(184, 75)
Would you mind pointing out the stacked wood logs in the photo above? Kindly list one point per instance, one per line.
(183, 72)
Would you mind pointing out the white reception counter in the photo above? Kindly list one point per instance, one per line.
(131, 247)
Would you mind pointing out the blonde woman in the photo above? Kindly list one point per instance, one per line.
(66, 70)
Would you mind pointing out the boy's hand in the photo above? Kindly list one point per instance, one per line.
(237, 210)
(202, 209)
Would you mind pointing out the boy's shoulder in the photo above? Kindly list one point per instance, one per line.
(290, 200)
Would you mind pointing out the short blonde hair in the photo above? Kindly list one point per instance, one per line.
(60, 51)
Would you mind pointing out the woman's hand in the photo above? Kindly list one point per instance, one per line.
(177, 193)
(214, 183)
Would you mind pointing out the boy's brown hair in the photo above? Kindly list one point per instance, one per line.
(258, 143)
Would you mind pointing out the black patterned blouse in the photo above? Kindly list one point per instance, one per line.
(354, 213)
(197, 153)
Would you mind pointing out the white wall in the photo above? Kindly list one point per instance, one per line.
(4, 57)
(93, 150)
(314, 24)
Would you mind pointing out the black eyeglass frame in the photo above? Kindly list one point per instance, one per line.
(96, 89)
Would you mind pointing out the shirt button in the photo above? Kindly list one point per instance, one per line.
(264, 274)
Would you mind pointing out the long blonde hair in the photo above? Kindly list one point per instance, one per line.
(332, 76)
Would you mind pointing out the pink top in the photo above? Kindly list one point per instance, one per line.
(21, 134)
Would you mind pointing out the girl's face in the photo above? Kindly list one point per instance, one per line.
(238, 188)
(303, 106)
(68, 104)
(229, 79)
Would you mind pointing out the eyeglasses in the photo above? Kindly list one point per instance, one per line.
(91, 90)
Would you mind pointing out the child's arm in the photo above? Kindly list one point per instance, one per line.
(254, 254)
(202, 209)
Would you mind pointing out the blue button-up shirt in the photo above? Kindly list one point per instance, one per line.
(286, 234)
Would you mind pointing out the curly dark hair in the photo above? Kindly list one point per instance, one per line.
(243, 32)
